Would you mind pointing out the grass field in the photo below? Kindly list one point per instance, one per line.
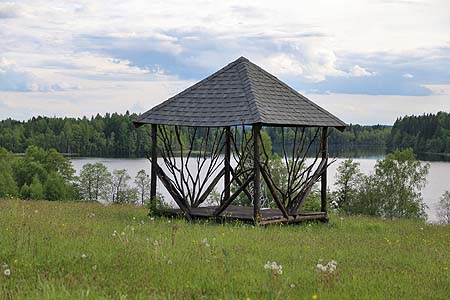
(62, 250)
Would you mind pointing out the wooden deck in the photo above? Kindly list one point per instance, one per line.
(241, 213)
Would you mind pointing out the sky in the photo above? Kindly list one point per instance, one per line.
(366, 61)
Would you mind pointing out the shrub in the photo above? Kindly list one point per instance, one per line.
(157, 206)
(392, 191)
(444, 208)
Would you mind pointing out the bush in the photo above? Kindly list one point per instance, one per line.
(392, 191)
(54, 187)
(36, 189)
(157, 206)
(313, 201)
(444, 208)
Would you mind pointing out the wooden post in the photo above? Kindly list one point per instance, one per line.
(257, 173)
(323, 187)
(227, 180)
(154, 163)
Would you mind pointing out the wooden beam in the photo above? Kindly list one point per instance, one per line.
(323, 183)
(182, 204)
(239, 182)
(227, 179)
(274, 192)
(301, 197)
(154, 161)
(212, 185)
(257, 173)
(225, 204)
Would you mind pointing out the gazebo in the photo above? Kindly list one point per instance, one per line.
(212, 130)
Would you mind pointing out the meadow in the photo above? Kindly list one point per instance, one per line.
(81, 250)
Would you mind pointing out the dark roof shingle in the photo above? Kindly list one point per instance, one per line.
(239, 94)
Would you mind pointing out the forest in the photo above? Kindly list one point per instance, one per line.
(113, 135)
(428, 133)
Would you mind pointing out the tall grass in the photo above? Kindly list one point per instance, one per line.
(75, 250)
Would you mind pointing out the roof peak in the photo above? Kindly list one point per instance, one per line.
(243, 58)
(241, 93)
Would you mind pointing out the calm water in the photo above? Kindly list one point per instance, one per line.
(438, 178)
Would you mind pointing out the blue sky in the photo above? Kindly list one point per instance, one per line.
(367, 61)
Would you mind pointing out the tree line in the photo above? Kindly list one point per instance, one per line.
(393, 190)
(428, 133)
(113, 135)
(48, 175)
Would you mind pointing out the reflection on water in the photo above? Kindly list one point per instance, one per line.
(372, 152)
(347, 151)
(433, 157)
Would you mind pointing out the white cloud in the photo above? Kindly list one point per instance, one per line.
(95, 97)
(12, 78)
(385, 109)
(358, 71)
(439, 89)
(408, 75)
(9, 10)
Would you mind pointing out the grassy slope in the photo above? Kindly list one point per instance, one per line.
(43, 243)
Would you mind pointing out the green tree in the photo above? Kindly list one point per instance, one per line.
(398, 181)
(142, 181)
(8, 186)
(25, 192)
(120, 191)
(54, 187)
(348, 183)
(56, 162)
(444, 208)
(36, 189)
(392, 191)
(94, 182)
(31, 165)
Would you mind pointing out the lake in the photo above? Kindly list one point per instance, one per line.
(438, 177)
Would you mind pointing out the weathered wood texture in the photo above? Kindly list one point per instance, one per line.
(257, 173)
(241, 213)
(227, 179)
(154, 162)
(323, 183)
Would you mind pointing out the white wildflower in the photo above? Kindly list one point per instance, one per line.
(321, 268)
(292, 285)
(334, 204)
(83, 256)
(152, 219)
(94, 267)
(276, 268)
(205, 242)
(114, 233)
(169, 262)
(330, 267)
(7, 272)
(134, 218)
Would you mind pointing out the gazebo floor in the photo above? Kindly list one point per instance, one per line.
(242, 213)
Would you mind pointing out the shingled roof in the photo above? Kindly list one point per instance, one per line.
(239, 94)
